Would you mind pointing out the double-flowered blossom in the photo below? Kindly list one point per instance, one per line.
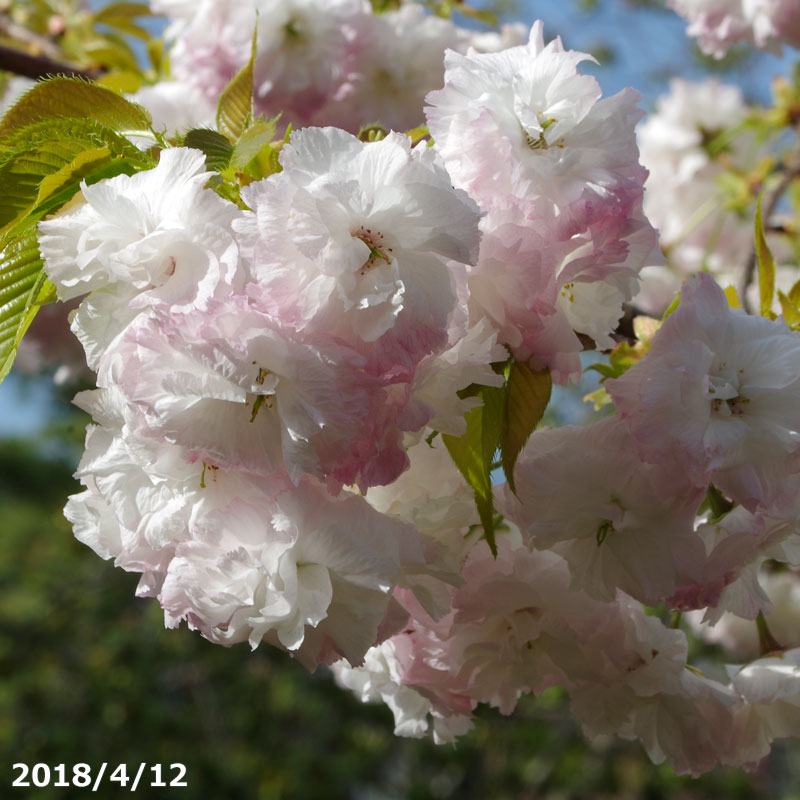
(719, 24)
(620, 524)
(719, 393)
(156, 239)
(359, 242)
(525, 122)
(555, 169)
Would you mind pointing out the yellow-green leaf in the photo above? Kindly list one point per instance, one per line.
(473, 453)
(21, 281)
(526, 398)
(78, 99)
(81, 166)
(766, 266)
(790, 311)
(794, 294)
(251, 143)
(235, 107)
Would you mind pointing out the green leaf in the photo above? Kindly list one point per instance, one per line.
(217, 148)
(235, 107)
(766, 266)
(82, 165)
(77, 99)
(526, 397)
(473, 454)
(22, 280)
(22, 174)
(251, 143)
(52, 129)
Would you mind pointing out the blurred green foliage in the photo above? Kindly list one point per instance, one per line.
(88, 674)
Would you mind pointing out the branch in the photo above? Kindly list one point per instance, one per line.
(792, 172)
(20, 63)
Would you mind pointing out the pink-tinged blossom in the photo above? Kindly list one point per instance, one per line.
(778, 596)
(239, 390)
(399, 60)
(620, 524)
(304, 49)
(543, 280)
(305, 572)
(719, 394)
(525, 122)
(353, 240)
(484, 650)
(736, 547)
(718, 24)
(142, 495)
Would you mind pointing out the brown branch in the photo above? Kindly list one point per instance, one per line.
(20, 63)
(792, 172)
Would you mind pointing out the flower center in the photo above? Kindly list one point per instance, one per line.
(722, 389)
(378, 251)
(540, 142)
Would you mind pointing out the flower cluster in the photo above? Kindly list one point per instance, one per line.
(320, 62)
(287, 388)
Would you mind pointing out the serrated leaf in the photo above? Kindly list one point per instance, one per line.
(526, 397)
(54, 129)
(766, 266)
(235, 107)
(217, 148)
(77, 99)
(81, 166)
(22, 174)
(21, 280)
(251, 142)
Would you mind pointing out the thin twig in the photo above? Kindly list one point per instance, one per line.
(20, 33)
(12, 60)
(792, 172)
